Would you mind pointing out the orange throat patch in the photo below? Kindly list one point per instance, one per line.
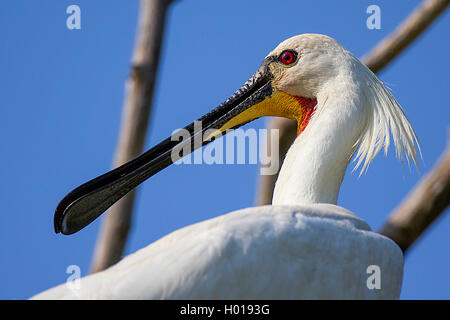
(308, 106)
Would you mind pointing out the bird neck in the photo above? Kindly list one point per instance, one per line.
(315, 164)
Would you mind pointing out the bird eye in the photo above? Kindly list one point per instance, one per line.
(288, 56)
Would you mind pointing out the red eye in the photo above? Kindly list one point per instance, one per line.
(287, 57)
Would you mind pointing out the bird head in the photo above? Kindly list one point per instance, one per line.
(289, 80)
(294, 81)
(317, 59)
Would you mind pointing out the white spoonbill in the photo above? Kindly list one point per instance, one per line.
(303, 246)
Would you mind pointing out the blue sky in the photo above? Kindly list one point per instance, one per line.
(62, 92)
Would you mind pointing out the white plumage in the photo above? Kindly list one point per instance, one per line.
(304, 246)
(317, 251)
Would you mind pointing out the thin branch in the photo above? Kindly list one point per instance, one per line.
(287, 131)
(422, 206)
(136, 112)
(391, 46)
(378, 58)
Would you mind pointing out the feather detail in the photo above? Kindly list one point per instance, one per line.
(385, 117)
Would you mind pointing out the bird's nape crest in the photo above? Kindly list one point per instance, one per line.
(385, 117)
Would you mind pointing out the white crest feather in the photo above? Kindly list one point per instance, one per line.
(384, 118)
